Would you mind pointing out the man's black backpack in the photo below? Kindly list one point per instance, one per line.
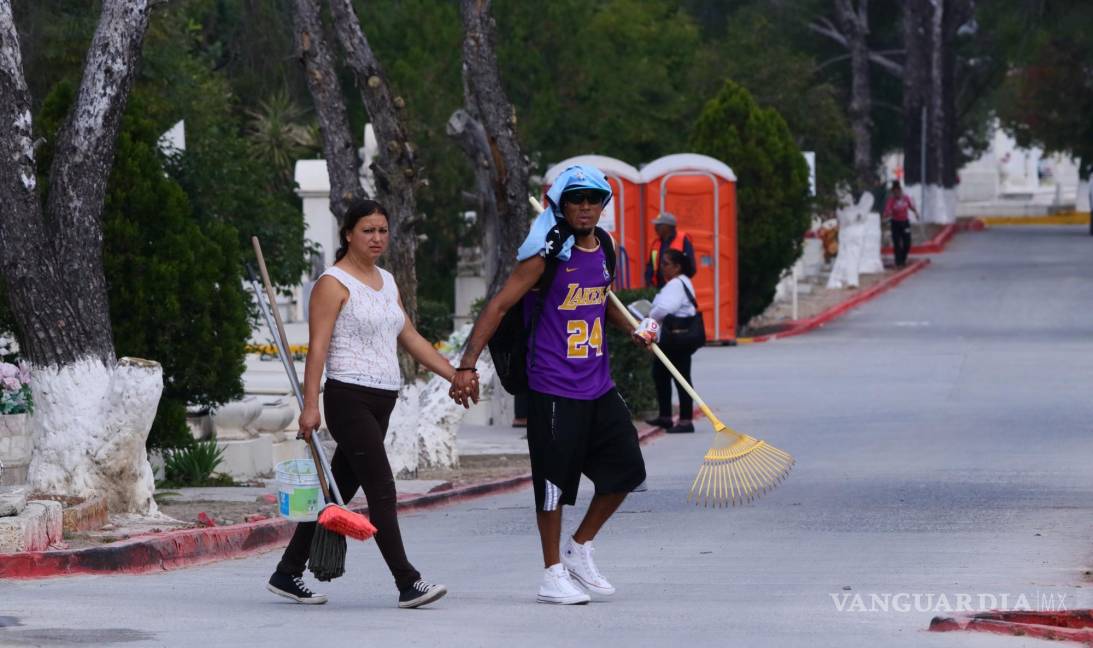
(510, 343)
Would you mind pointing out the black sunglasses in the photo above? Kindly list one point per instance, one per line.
(579, 196)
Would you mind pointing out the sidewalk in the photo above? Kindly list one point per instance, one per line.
(854, 298)
(155, 546)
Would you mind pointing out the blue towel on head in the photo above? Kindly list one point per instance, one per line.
(577, 176)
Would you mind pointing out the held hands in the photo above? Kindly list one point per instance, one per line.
(308, 423)
(647, 332)
(464, 389)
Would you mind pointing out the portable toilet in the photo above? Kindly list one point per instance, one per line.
(622, 216)
(701, 192)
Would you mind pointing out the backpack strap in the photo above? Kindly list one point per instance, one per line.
(608, 246)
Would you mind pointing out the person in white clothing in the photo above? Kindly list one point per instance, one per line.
(675, 302)
(356, 322)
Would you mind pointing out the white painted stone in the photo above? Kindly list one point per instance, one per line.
(871, 262)
(233, 421)
(90, 425)
(425, 420)
(201, 426)
(812, 258)
(35, 529)
(15, 440)
(247, 458)
(12, 501)
(276, 415)
(844, 274)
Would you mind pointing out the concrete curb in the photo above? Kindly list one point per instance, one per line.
(806, 325)
(1072, 625)
(191, 547)
(933, 246)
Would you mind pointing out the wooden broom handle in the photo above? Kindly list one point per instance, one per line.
(330, 489)
(668, 364)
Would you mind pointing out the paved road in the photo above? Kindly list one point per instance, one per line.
(944, 434)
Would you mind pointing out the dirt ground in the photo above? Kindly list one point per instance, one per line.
(185, 514)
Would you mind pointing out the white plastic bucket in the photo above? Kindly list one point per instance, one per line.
(299, 497)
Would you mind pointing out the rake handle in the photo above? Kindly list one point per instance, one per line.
(717, 424)
(326, 477)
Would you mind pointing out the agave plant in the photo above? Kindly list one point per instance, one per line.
(277, 133)
(192, 465)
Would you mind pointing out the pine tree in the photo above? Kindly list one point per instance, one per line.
(771, 190)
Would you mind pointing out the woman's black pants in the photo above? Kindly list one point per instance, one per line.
(357, 418)
(663, 380)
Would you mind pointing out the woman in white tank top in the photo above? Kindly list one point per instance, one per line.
(356, 322)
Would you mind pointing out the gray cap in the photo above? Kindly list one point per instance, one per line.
(665, 218)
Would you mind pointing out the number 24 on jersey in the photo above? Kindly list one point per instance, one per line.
(581, 338)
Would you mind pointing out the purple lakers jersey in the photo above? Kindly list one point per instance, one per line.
(569, 358)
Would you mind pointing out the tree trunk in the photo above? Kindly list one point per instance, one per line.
(486, 131)
(394, 168)
(936, 111)
(915, 88)
(92, 413)
(342, 163)
(855, 26)
(469, 133)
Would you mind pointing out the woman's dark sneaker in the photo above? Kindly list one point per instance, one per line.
(420, 593)
(660, 422)
(682, 428)
(292, 587)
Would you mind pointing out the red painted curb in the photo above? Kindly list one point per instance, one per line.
(933, 246)
(191, 547)
(806, 325)
(1071, 625)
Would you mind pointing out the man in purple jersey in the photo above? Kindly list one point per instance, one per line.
(577, 421)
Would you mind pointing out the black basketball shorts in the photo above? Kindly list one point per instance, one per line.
(569, 436)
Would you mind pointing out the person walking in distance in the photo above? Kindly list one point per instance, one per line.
(669, 237)
(673, 306)
(895, 211)
(356, 321)
(577, 421)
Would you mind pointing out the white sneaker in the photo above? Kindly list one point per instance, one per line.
(558, 587)
(577, 558)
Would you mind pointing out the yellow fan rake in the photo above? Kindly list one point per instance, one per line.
(738, 468)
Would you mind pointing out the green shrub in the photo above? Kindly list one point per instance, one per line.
(192, 466)
(434, 319)
(169, 428)
(771, 191)
(631, 366)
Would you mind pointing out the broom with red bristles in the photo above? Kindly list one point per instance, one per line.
(336, 522)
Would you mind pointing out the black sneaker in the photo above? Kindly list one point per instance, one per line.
(420, 593)
(292, 587)
(660, 422)
(681, 428)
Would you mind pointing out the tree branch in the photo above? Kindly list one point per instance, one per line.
(488, 104)
(394, 168)
(823, 27)
(342, 162)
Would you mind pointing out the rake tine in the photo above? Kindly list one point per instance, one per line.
(701, 470)
(722, 490)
